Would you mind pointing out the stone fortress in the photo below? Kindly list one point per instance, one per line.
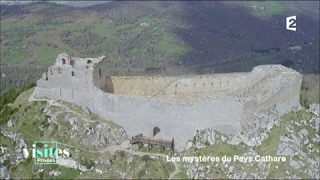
(178, 105)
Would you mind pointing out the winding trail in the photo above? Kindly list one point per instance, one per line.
(124, 146)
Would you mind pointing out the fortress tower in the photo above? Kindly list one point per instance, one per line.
(178, 105)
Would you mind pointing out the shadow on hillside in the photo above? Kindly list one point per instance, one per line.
(12, 11)
(221, 33)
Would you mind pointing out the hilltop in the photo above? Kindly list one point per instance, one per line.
(95, 144)
(295, 137)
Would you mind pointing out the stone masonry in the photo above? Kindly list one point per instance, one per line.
(178, 105)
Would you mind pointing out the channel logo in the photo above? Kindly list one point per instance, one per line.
(291, 23)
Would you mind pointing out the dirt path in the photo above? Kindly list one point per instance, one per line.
(55, 103)
(125, 146)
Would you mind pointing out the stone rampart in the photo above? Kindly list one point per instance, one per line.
(178, 87)
(75, 79)
(136, 115)
(225, 102)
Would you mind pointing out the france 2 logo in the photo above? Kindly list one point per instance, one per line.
(291, 23)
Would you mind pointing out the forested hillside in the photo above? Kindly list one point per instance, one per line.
(157, 37)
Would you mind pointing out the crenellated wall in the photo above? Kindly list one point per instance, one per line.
(178, 87)
(223, 101)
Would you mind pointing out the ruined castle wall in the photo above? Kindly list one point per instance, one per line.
(213, 85)
(280, 90)
(285, 94)
(179, 85)
(135, 85)
(99, 76)
(176, 120)
(68, 79)
(279, 86)
(142, 115)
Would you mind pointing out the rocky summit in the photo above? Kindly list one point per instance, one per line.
(159, 90)
(227, 102)
(274, 145)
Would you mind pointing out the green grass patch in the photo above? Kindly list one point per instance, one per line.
(154, 149)
(103, 30)
(19, 31)
(7, 142)
(221, 149)
(271, 8)
(284, 167)
(111, 58)
(167, 45)
(270, 145)
(28, 117)
(147, 168)
(67, 173)
(25, 170)
(125, 27)
(146, 19)
(12, 23)
(217, 173)
(14, 55)
(7, 99)
(52, 8)
(263, 60)
(45, 51)
(309, 97)
(181, 175)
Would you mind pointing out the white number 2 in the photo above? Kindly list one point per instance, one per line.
(291, 23)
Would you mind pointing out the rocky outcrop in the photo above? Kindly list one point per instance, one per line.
(20, 145)
(101, 135)
(204, 137)
(297, 142)
(95, 134)
(71, 163)
(315, 109)
(54, 173)
(4, 174)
